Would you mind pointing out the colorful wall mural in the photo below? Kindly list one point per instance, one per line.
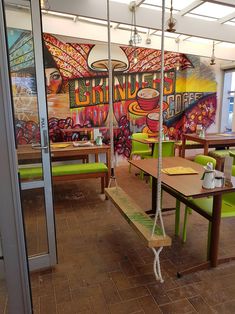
(78, 92)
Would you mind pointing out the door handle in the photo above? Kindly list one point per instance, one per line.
(45, 141)
(39, 147)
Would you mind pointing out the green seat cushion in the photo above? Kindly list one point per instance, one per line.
(188, 142)
(61, 170)
(220, 153)
(227, 210)
(30, 173)
(142, 153)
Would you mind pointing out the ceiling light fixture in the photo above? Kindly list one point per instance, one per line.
(177, 63)
(45, 5)
(171, 22)
(213, 55)
(135, 38)
(148, 40)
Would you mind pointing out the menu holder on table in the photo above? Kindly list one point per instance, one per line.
(61, 145)
(150, 139)
(179, 170)
(225, 134)
(83, 144)
(228, 162)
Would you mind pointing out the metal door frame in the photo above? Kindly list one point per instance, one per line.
(11, 222)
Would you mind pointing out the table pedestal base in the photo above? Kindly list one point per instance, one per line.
(205, 265)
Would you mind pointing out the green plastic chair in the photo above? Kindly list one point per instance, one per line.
(168, 149)
(202, 160)
(139, 149)
(206, 204)
(232, 154)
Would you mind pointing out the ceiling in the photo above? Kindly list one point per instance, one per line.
(198, 22)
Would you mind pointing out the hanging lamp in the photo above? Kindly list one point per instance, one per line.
(177, 63)
(213, 55)
(171, 22)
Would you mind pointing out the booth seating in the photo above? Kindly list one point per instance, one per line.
(70, 172)
(188, 145)
(220, 155)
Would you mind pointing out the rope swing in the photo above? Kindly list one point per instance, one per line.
(147, 228)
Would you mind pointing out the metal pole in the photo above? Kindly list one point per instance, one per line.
(158, 211)
(110, 71)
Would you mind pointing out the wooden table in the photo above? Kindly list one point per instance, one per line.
(183, 187)
(26, 152)
(210, 140)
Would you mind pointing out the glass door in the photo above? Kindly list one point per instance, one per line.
(228, 109)
(25, 56)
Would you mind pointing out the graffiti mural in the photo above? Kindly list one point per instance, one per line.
(78, 91)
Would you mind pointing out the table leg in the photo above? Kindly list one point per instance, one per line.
(108, 162)
(206, 148)
(215, 230)
(183, 146)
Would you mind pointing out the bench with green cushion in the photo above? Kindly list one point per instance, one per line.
(70, 172)
(220, 155)
(188, 145)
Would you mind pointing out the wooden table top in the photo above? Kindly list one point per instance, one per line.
(189, 185)
(150, 140)
(28, 152)
(212, 137)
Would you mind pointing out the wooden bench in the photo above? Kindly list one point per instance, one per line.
(141, 223)
(70, 172)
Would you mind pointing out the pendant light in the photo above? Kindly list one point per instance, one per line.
(213, 55)
(135, 38)
(171, 22)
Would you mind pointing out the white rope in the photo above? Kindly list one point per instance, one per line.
(159, 174)
(110, 71)
(156, 264)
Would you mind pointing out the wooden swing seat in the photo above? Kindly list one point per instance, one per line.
(137, 218)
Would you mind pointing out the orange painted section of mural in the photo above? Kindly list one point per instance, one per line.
(77, 91)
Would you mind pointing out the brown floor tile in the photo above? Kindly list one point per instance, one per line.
(225, 308)
(200, 305)
(127, 307)
(133, 293)
(120, 280)
(110, 292)
(48, 304)
(178, 307)
(148, 305)
(182, 292)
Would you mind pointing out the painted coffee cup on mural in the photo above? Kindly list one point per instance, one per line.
(152, 121)
(147, 98)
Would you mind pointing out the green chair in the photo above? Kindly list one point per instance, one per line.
(206, 205)
(168, 149)
(232, 154)
(202, 160)
(139, 149)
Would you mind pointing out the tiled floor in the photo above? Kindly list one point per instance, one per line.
(105, 268)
